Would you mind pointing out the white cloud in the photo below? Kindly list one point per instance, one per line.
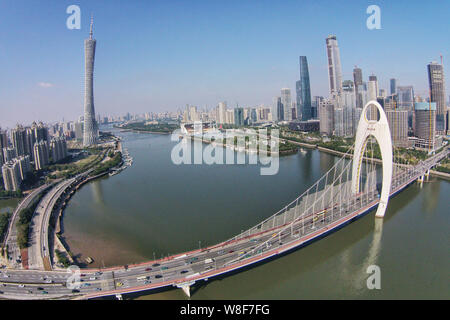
(45, 84)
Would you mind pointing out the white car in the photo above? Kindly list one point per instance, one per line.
(21, 286)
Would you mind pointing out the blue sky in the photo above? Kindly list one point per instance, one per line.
(162, 55)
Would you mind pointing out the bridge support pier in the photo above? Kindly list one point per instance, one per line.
(186, 286)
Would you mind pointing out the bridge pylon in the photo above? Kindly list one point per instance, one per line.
(379, 129)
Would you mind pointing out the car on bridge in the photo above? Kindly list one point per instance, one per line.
(192, 260)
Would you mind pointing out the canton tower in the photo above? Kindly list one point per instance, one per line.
(90, 131)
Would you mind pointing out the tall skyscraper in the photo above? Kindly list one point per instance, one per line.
(334, 65)
(239, 117)
(222, 112)
(405, 101)
(437, 91)
(287, 103)
(303, 89)
(372, 87)
(425, 126)
(393, 83)
(358, 81)
(315, 106)
(90, 125)
(276, 111)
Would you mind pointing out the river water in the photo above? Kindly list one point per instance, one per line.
(156, 208)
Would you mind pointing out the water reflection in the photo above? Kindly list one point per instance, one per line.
(97, 192)
(431, 195)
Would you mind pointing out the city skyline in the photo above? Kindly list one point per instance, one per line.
(49, 88)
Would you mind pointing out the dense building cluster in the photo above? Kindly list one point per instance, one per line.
(340, 112)
(27, 148)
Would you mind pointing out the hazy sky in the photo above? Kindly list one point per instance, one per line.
(162, 55)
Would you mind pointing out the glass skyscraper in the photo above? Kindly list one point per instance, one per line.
(358, 82)
(303, 92)
(393, 83)
(437, 92)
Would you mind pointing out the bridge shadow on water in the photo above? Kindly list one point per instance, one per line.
(317, 253)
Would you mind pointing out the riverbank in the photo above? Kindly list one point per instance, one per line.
(240, 149)
(159, 128)
(60, 248)
(350, 155)
(142, 131)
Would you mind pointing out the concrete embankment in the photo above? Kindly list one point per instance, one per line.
(440, 174)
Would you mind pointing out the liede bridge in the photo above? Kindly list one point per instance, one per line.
(344, 193)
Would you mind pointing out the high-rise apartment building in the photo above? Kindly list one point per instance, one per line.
(9, 154)
(326, 116)
(11, 176)
(24, 166)
(58, 149)
(3, 144)
(19, 140)
(286, 103)
(41, 155)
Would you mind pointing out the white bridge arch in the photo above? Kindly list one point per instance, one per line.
(379, 129)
